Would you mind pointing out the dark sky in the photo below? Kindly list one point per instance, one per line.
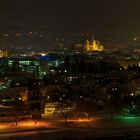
(112, 16)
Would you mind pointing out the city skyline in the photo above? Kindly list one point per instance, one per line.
(69, 68)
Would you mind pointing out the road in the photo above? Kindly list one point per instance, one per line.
(63, 132)
(58, 129)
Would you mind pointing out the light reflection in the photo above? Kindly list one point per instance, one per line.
(33, 124)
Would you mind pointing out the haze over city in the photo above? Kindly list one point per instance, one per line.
(118, 18)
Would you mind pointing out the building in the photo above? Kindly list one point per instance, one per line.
(3, 53)
(93, 45)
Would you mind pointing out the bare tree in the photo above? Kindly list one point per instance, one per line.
(65, 111)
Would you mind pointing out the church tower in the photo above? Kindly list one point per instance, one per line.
(93, 45)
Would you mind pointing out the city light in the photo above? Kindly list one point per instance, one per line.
(69, 68)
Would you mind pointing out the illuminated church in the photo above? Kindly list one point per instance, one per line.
(93, 45)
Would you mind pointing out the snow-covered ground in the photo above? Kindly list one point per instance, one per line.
(80, 129)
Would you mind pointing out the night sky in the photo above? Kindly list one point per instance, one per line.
(106, 16)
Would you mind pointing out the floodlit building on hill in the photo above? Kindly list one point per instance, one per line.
(93, 45)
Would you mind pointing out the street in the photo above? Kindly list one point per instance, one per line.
(72, 128)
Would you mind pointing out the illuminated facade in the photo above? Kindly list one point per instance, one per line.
(24, 96)
(93, 45)
(3, 53)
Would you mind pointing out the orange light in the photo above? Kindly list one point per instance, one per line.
(85, 120)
